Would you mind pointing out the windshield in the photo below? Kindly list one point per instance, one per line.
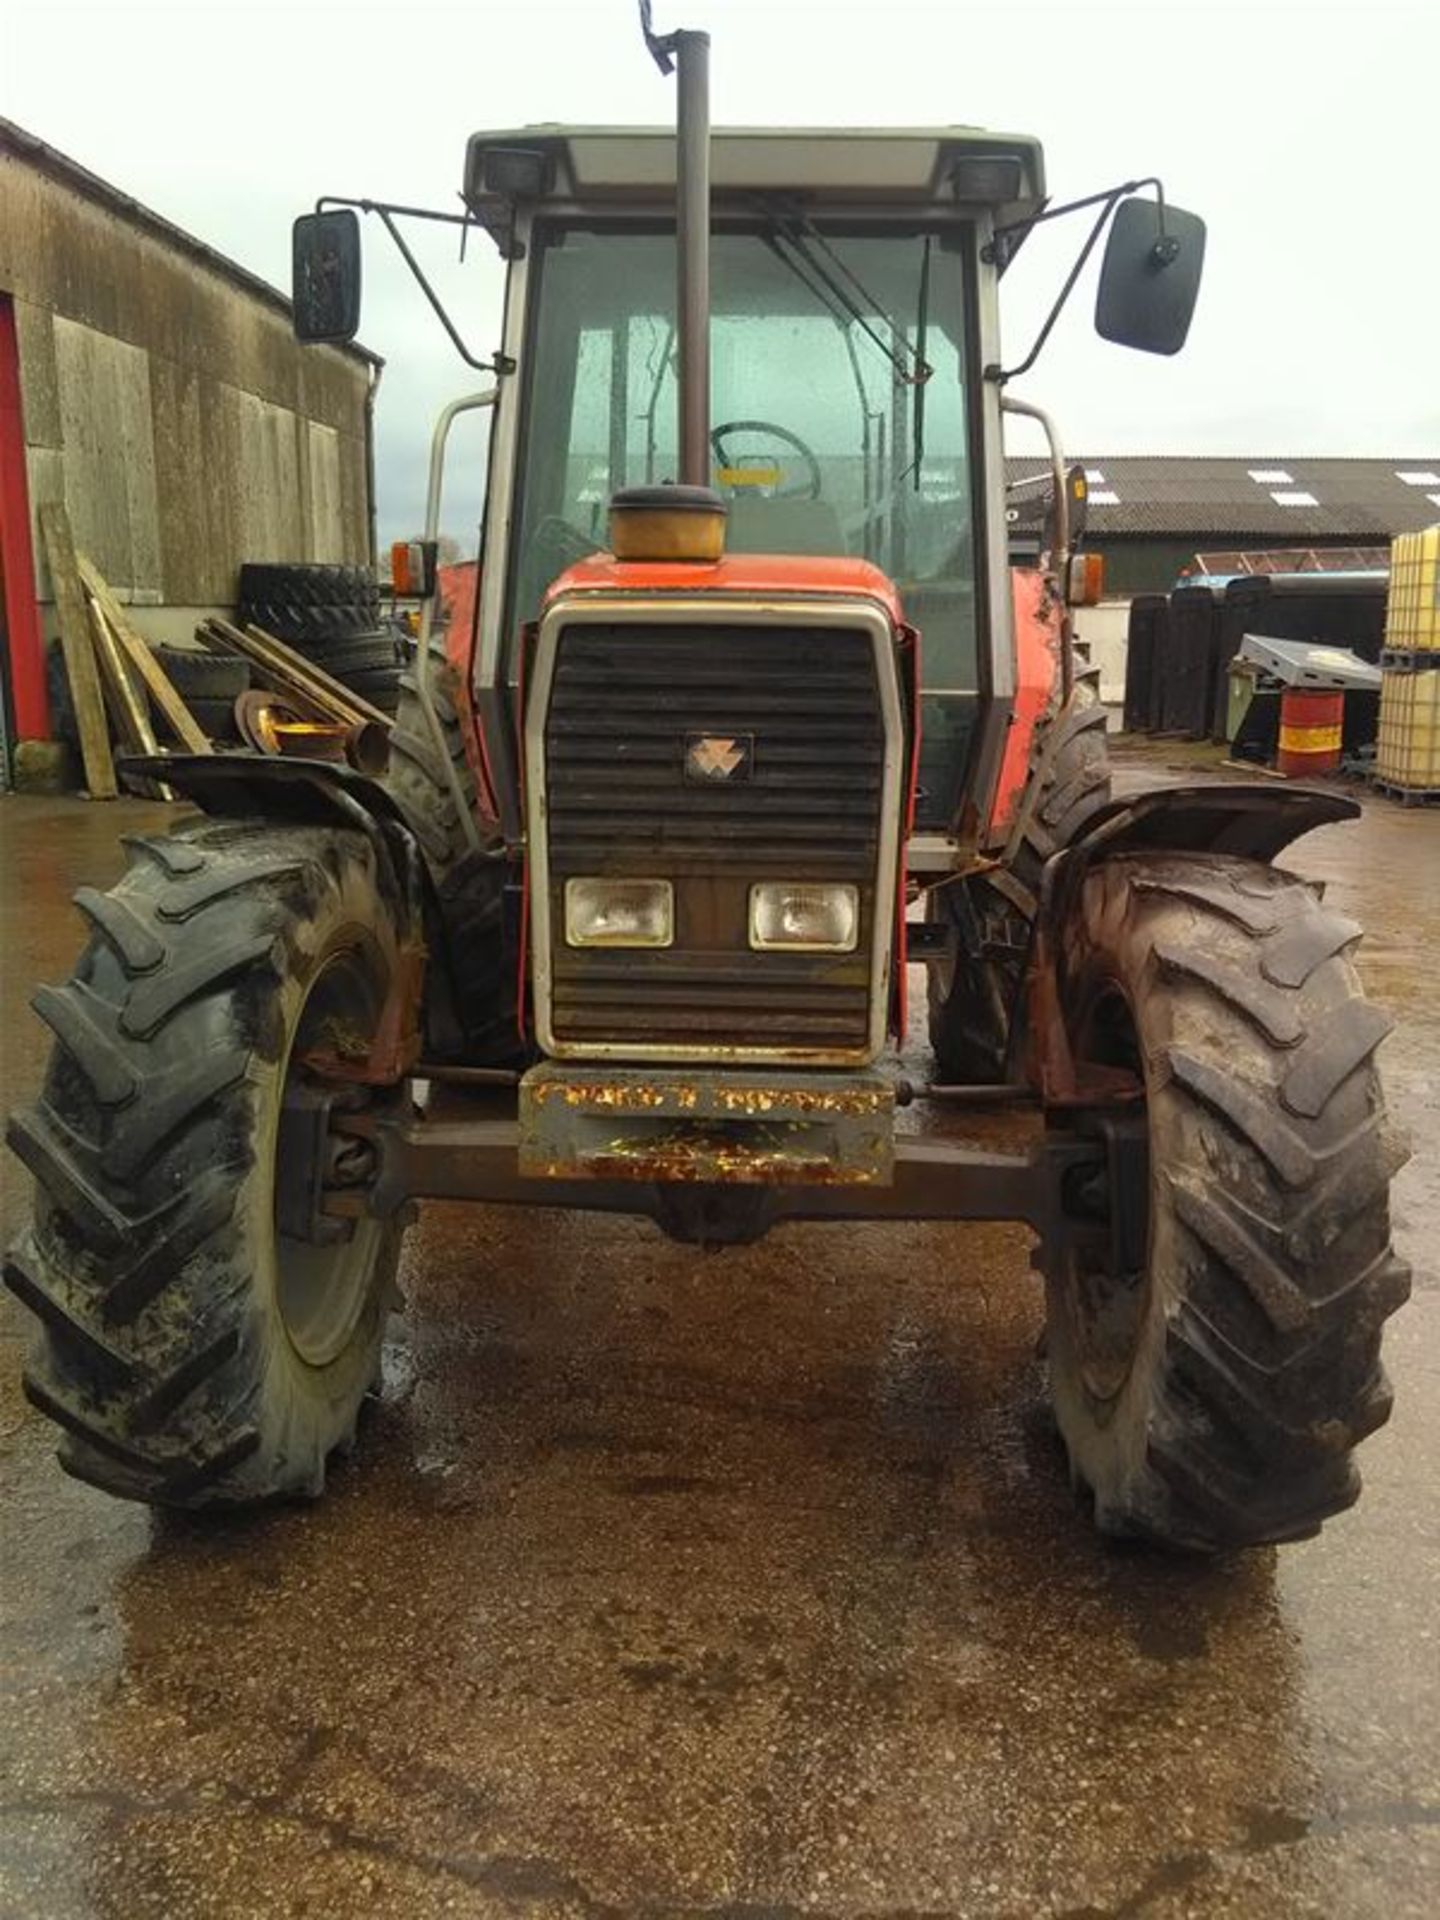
(813, 404)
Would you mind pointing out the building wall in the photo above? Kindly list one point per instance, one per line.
(1142, 566)
(169, 406)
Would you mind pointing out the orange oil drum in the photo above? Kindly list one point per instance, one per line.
(1310, 728)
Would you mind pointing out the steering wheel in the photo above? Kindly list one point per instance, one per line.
(806, 489)
(556, 544)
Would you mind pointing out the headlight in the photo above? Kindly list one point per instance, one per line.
(619, 913)
(810, 919)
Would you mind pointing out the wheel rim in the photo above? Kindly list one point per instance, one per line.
(1107, 1310)
(321, 1288)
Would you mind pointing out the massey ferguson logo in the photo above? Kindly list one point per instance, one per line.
(717, 756)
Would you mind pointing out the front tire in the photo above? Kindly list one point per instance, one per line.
(193, 1353)
(1213, 1398)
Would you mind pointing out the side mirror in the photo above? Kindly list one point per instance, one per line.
(1150, 277)
(325, 276)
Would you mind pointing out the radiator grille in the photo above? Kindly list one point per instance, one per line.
(805, 704)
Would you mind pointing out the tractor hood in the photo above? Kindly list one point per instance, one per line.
(749, 576)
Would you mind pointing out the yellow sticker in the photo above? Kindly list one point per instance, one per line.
(749, 476)
(1309, 739)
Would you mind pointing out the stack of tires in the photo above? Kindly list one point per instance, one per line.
(209, 684)
(331, 614)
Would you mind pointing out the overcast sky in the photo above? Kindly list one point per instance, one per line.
(1307, 135)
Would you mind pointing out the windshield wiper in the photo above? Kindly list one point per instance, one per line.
(811, 256)
(922, 330)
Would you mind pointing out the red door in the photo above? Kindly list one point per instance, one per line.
(19, 615)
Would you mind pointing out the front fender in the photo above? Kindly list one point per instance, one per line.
(1251, 820)
(258, 786)
(319, 793)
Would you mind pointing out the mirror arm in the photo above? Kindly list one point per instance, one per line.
(500, 363)
(390, 206)
(1001, 248)
(997, 252)
(1000, 375)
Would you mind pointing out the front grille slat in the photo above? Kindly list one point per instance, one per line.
(759, 802)
(622, 705)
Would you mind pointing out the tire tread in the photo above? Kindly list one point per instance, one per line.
(1269, 1151)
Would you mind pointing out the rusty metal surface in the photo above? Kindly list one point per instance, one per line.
(692, 1587)
(383, 1057)
(706, 1125)
(480, 1152)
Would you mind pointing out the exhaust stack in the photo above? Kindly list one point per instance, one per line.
(687, 54)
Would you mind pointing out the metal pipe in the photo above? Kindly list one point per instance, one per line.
(984, 1094)
(445, 1073)
(438, 439)
(1060, 558)
(692, 235)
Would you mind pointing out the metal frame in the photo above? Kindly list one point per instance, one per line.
(700, 609)
(492, 696)
(463, 1153)
(466, 812)
(997, 662)
(1060, 558)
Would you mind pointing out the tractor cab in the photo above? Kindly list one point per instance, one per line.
(852, 312)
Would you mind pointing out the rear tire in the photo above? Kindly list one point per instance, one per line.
(193, 1354)
(1213, 1400)
(469, 883)
(975, 990)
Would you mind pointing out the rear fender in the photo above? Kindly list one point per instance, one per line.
(1254, 821)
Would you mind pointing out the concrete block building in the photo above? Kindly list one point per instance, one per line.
(155, 387)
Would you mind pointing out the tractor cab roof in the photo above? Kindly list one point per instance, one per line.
(854, 167)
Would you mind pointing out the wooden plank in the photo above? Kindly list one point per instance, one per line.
(80, 666)
(132, 722)
(272, 672)
(349, 704)
(292, 672)
(126, 703)
(137, 651)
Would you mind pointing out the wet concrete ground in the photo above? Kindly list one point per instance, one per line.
(745, 1585)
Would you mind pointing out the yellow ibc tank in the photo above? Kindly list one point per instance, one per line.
(1412, 610)
(1407, 749)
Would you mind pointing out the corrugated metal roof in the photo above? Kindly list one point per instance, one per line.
(59, 166)
(1290, 498)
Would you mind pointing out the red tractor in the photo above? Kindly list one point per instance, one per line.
(758, 665)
